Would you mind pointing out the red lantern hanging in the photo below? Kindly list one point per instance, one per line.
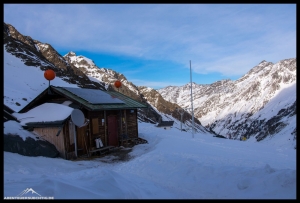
(118, 84)
(49, 74)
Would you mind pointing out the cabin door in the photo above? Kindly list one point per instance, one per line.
(112, 128)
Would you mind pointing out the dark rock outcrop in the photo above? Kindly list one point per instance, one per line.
(29, 147)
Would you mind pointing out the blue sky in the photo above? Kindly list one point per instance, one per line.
(153, 44)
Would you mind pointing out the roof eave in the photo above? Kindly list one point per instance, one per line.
(46, 124)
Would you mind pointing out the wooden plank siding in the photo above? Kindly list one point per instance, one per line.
(69, 140)
(82, 141)
(123, 123)
(132, 125)
(49, 134)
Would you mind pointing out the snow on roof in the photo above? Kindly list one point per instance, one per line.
(14, 128)
(44, 113)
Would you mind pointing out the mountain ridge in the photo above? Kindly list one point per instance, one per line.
(231, 107)
(224, 107)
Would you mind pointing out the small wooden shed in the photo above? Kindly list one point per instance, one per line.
(165, 124)
(109, 116)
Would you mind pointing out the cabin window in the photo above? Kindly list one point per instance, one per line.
(95, 125)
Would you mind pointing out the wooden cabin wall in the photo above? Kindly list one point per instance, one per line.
(82, 141)
(132, 125)
(69, 140)
(49, 134)
(97, 128)
(127, 124)
(123, 123)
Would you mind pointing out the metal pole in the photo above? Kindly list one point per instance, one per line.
(192, 100)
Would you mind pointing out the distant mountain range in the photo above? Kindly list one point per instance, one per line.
(261, 104)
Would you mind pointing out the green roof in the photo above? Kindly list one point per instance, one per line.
(129, 103)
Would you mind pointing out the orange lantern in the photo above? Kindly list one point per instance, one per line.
(49, 74)
(118, 84)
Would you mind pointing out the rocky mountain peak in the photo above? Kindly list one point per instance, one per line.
(262, 62)
(231, 107)
(70, 54)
